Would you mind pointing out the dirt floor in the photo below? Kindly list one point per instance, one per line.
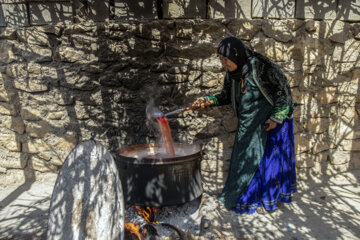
(324, 207)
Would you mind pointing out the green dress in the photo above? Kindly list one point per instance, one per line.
(252, 110)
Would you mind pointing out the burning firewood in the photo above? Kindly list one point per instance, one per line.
(179, 232)
(221, 237)
(148, 213)
(132, 231)
(234, 238)
(150, 232)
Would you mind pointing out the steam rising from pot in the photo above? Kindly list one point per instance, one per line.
(151, 123)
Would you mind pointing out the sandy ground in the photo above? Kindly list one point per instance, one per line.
(326, 207)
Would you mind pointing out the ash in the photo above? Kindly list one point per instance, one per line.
(184, 217)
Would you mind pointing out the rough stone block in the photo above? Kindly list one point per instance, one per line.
(342, 128)
(356, 75)
(214, 165)
(38, 129)
(129, 9)
(35, 146)
(99, 10)
(40, 165)
(310, 26)
(15, 124)
(316, 9)
(215, 176)
(349, 87)
(8, 109)
(66, 142)
(50, 12)
(13, 13)
(16, 176)
(2, 16)
(15, 70)
(244, 29)
(327, 95)
(31, 85)
(338, 157)
(339, 32)
(4, 96)
(69, 54)
(317, 125)
(8, 33)
(278, 30)
(311, 108)
(209, 80)
(10, 142)
(15, 1)
(341, 68)
(302, 143)
(229, 141)
(184, 9)
(348, 10)
(273, 9)
(356, 30)
(51, 29)
(33, 53)
(349, 52)
(6, 52)
(56, 115)
(13, 160)
(321, 146)
(238, 9)
(298, 128)
(52, 157)
(91, 10)
(30, 114)
(305, 160)
(230, 124)
(355, 157)
(350, 145)
(270, 48)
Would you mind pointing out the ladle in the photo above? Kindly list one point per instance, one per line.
(179, 110)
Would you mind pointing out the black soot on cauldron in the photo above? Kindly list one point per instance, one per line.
(150, 178)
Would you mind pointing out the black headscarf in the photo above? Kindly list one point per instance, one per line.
(235, 50)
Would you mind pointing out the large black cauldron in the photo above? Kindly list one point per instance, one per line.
(151, 180)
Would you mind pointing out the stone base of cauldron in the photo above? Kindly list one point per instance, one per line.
(194, 219)
(185, 217)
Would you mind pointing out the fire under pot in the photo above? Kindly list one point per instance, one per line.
(150, 178)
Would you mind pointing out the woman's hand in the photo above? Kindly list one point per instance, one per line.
(197, 103)
(270, 124)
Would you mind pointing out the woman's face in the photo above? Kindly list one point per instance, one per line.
(225, 62)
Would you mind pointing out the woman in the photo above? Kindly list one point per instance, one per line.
(262, 167)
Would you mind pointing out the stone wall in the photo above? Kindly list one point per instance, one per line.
(60, 83)
(40, 12)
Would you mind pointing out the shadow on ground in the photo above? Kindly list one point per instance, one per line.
(326, 207)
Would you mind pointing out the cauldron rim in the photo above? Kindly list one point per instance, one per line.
(157, 161)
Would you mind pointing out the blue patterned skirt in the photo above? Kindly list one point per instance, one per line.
(275, 180)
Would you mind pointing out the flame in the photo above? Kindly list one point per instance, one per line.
(147, 213)
(155, 210)
(134, 229)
